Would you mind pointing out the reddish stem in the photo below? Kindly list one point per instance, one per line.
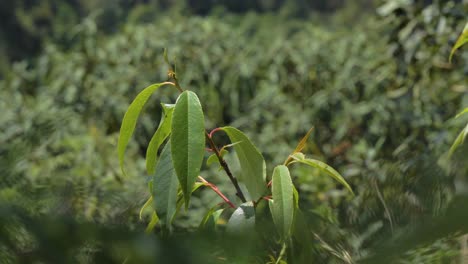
(214, 131)
(216, 190)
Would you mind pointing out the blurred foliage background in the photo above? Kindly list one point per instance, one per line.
(371, 77)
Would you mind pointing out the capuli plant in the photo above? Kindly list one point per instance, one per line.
(176, 171)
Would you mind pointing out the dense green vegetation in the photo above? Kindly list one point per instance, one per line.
(380, 94)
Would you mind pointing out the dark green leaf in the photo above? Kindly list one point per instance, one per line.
(165, 185)
(187, 141)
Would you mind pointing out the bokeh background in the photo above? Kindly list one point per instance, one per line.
(371, 76)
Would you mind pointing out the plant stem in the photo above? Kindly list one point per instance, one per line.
(217, 191)
(226, 168)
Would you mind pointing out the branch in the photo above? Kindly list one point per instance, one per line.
(216, 190)
(226, 168)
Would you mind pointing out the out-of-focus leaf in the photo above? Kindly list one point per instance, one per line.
(242, 221)
(211, 217)
(253, 166)
(147, 203)
(130, 119)
(459, 140)
(462, 113)
(187, 141)
(282, 205)
(163, 131)
(300, 146)
(154, 221)
(462, 40)
(299, 157)
(165, 185)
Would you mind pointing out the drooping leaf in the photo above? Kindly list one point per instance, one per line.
(242, 221)
(462, 40)
(130, 119)
(158, 138)
(165, 185)
(299, 157)
(459, 140)
(147, 203)
(462, 112)
(282, 205)
(252, 164)
(187, 141)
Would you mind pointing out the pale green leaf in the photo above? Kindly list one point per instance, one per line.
(158, 138)
(299, 157)
(187, 141)
(130, 119)
(459, 140)
(148, 203)
(251, 161)
(242, 221)
(462, 113)
(282, 205)
(214, 159)
(165, 185)
(462, 40)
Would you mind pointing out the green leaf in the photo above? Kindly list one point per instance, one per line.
(152, 223)
(214, 159)
(210, 219)
(459, 140)
(165, 185)
(299, 157)
(282, 205)
(462, 113)
(130, 119)
(242, 221)
(462, 40)
(180, 200)
(148, 203)
(187, 141)
(252, 164)
(158, 138)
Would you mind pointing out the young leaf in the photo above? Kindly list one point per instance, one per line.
(213, 158)
(299, 157)
(158, 138)
(282, 205)
(462, 40)
(165, 185)
(242, 221)
(252, 164)
(148, 203)
(300, 146)
(187, 141)
(130, 119)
